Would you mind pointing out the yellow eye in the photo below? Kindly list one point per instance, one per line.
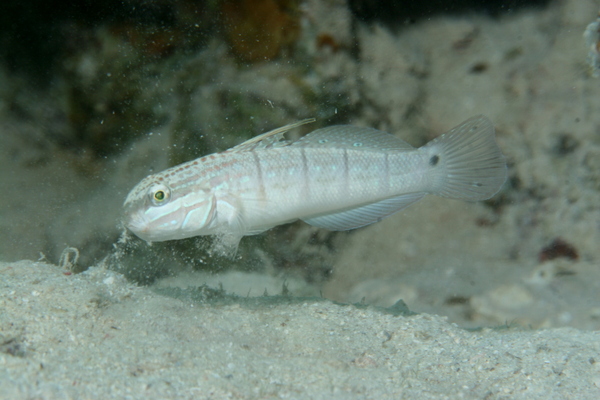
(159, 195)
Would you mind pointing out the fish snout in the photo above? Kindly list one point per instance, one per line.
(138, 223)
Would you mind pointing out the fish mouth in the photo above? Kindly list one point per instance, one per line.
(137, 223)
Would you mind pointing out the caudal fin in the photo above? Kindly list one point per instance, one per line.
(466, 163)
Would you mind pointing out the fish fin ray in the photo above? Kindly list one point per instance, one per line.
(256, 207)
(353, 137)
(225, 245)
(228, 236)
(269, 139)
(470, 165)
(363, 215)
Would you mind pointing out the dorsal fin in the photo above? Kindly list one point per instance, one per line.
(271, 138)
(353, 137)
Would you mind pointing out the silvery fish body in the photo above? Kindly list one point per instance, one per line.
(339, 178)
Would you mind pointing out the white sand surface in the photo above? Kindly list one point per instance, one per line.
(94, 335)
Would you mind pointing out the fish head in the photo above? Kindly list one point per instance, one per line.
(156, 211)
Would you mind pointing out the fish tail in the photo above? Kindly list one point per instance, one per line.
(466, 163)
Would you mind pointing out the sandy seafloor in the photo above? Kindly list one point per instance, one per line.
(95, 335)
(496, 316)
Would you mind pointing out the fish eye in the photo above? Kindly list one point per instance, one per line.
(159, 195)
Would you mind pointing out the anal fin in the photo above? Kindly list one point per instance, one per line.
(363, 215)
